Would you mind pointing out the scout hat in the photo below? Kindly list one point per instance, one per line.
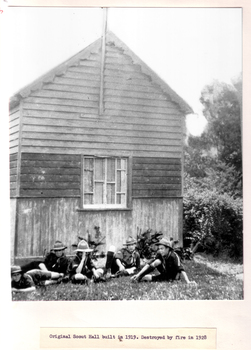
(58, 245)
(165, 242)
(130, 241)
(83, 247)
(15, 269)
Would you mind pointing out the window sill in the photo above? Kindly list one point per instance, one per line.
(104, 209)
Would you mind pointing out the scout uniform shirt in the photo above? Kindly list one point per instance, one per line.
(128, 259)
(170, 266)
(87, 266)
(53, 263)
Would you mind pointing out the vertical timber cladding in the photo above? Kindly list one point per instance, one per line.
(50, 195)
(41, 221)
(156, 190)
(114, 225)
(13, 209)
(158, 214)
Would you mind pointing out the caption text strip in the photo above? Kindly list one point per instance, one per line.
(146, 338)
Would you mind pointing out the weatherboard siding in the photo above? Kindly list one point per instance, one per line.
(156, 177)
(55, 175)
(14, 125)
(139, 118)
(13, 175)
(50, 175)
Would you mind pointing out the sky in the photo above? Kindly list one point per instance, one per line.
(187, 47)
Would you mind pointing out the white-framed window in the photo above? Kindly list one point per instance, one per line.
(105, 182)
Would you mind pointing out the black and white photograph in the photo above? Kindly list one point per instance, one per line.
(125, 152)
(125, 174)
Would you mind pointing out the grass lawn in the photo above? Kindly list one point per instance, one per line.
(212, 285)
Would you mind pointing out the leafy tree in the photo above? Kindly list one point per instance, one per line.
(213, 174)
(197, 156)
(220, 178)
(222, 109)
(214, 159)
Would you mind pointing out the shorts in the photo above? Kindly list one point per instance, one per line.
(39, 276)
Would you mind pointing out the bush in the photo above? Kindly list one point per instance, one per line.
(213, 222)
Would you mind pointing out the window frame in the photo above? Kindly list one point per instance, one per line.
(128, 182)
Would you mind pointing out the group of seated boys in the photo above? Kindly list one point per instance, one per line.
(57, 267)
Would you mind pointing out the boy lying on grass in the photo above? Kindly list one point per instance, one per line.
(52, 269)
(26, 282)
(21, 282)
(123, 263)
(167, 263)
(82, 268)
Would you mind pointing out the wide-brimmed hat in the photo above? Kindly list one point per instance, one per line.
(15, 269)
(130, 241)
(165, 242)
(58, 245)
(83, 247)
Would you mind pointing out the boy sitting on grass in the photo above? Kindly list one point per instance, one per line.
(123, 263)
(82, 268)
(167, 262)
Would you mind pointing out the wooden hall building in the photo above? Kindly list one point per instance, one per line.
(97, 141)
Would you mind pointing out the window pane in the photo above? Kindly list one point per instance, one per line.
(88, 175)
(110, 197)
(98, 196)
(88, 163)
(121, 199)
(123, 181)
(99, 169)
(110, 170)
(123, 164)
(88, 182)
(88, 199)
(118, 181)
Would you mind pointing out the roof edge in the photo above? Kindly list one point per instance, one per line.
(51, 74)
(85, 53)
